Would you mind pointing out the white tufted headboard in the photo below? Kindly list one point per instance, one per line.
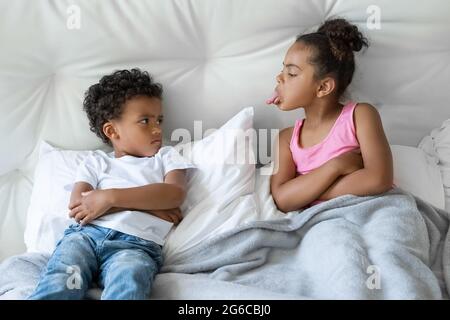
(213, 58)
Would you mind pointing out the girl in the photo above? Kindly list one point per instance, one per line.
(337, 149)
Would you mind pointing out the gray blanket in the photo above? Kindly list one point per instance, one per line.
(391, 246)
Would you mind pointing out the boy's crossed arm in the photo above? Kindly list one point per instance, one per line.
(159, 199)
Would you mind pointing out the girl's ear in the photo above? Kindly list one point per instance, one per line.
(110, 131)
(326, 86)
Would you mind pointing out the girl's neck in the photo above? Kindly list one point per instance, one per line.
(322, 111)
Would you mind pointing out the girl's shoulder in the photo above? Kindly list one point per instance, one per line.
(286, 134)
(364, 107)
(366, 115)
(365, 110)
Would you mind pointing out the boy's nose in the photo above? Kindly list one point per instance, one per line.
(156, 130)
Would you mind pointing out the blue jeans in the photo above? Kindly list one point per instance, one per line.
(123, 265)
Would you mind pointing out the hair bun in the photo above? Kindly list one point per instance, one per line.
(344, 37)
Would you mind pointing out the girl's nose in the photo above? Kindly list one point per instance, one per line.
(278, 77)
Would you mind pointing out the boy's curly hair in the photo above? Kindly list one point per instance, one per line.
(105, 100)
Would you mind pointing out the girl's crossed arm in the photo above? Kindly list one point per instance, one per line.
(293, 193)
(377, 175)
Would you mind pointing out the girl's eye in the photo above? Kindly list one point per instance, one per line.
(284, 70)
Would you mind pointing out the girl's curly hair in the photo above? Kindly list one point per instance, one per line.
(105, 100)
(333, 45)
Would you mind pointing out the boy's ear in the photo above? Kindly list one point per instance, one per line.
(110, 131)
(326, 86)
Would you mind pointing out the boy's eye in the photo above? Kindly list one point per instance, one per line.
(144, 121)
(291, 74)
(160, 120)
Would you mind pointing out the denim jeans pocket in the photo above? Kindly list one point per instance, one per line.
(144, 242)
(150, 246)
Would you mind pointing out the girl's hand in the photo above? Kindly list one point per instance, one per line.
(172, 215)
(93, 204)
(348, 162)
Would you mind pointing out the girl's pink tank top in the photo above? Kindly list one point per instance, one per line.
(340, 139)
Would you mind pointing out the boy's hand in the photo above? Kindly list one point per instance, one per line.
(91, 205)
(171, 215)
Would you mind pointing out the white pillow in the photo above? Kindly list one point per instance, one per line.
(220, 191)
(218, 182)
(47, 215)
(437, 146)
(418, 174)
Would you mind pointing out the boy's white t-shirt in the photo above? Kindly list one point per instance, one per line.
(104, 171)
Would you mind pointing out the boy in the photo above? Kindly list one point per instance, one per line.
(116, 246)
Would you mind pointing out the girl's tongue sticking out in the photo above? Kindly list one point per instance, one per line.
(274, 99)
